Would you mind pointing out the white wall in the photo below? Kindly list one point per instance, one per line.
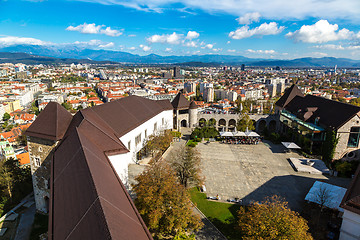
(121, 161)
(350, 227)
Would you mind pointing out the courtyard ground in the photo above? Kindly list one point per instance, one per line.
(252, 172)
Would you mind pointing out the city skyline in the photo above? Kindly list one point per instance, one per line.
(276, 29)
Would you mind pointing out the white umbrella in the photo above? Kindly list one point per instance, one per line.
(226, 134)
(252, 134)
(239, 134)
(290, 145)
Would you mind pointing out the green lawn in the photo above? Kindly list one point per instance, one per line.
(222, 215)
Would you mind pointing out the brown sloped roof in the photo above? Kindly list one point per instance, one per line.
(330, 114)
(351, 200)
(193, 105)
(180, 102)
(88, 200)
(289, 94)
(51, 123)
(125, 114)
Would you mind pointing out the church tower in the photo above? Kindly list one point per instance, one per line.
(43, 135)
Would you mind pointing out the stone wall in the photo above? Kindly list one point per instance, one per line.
(343, 133)
(41, 149)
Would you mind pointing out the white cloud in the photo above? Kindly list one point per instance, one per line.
(217, 49)
(168, 49)
(10, 41)
(228, 42)
(249, 18)
(320, 32)
(231, 50)
(190, 44)
(275, 9)
(132, 48)
(145, 48)
(208, 46)
(264, 29)
(92, 28)
(261, 51)
(192, 34)
(110, 32)
(107, 46)
(173, 38)
(131, 35)
(337, 47)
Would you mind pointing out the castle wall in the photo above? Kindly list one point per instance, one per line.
(41, 151)
(343, 134)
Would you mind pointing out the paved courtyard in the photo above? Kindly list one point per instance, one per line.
(252, 172)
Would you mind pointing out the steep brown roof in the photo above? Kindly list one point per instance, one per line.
(51, 123)
(351, 200)
(330, 114)
(88, 200)
(289, 95)
(125, 114)
(180, 102)
(193, 105)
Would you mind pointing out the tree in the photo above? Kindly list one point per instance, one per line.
(329, 146)
(6, 117)
(272, 219)
(186, 163)
(159, 143)
(21, 139)
(245, 123)
(66, 105)
(163, 203)
(6, 177)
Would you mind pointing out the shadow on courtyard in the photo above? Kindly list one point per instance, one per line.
(292, 188)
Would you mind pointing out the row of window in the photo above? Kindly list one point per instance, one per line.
(138, 137)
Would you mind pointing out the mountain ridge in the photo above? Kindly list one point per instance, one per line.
(41, 54)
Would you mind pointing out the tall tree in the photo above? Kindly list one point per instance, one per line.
(245, 123)
(186, 163)
(163, 203)
(272, 219)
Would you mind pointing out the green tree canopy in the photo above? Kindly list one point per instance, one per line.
(163, 203)
(6, 116)
(272, 219)
(245, 123)
(186, 163)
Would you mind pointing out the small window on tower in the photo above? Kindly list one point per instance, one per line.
(37, 162)
(129, 145)
(40, 149)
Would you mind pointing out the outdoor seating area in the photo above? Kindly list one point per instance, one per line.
(248, 137)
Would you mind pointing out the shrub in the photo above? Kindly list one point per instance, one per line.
(275, 138)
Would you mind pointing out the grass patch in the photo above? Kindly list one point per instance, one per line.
(222, 215)
(39, 226)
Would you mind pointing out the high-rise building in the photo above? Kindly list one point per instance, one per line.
(209, 94)
(242, 67)
(190, 87)
(177, 72)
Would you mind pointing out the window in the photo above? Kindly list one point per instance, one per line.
(37, 162)
(138, 139)
(40, 149)
(129, 145)
(354, 137)
(145, 134)
(155, 127)
(163, 121)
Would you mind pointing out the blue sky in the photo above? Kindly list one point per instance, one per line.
(280, 29)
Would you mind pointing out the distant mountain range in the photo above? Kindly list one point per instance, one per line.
(31, 54)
